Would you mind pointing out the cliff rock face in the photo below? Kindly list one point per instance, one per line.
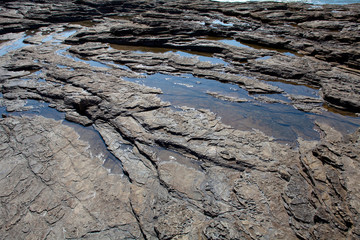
(170, 172)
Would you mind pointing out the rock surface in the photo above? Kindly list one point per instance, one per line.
(57, 190)
(185, 174)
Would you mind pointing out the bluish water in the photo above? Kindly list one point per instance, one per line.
(282, 121)
(60, 36)
(13, 45)
(89, 134)
(340, 2)
(296, 89)
(263, 58)
(218, 22)
(234, 43)
(107, 64)
(92, 63)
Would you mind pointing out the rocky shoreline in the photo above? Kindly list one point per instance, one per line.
(185, 172)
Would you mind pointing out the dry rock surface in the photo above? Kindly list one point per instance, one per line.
(182, 172)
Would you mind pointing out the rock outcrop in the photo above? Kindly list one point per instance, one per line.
(182, 172)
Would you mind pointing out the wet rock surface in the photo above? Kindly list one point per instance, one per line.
(186, 171)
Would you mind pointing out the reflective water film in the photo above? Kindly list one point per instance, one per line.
(240, 110)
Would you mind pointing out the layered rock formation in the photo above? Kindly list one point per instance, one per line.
(185, 174)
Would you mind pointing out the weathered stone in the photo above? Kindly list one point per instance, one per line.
(183, 173)
(57, 186)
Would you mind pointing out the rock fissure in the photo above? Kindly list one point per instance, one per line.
(188, 172)
(138, 221)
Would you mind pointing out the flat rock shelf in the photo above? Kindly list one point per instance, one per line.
(179, 120)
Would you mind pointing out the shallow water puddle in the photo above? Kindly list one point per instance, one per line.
(104, 64)
(55, 36)
(7, 46)
(188, 85)
(262, 58)
(59, 37)
(2, 107)
(47, 38)
(233, 42)
(13, 45)
(296, 89)
(115, 65)
(282, 121)
(218, 22)
(64, 53)
(237, 43)
(97, 147)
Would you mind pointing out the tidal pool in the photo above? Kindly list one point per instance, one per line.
(237, 43)
(64, 53)
(278, 119)
(12, 45)
(282, 121)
